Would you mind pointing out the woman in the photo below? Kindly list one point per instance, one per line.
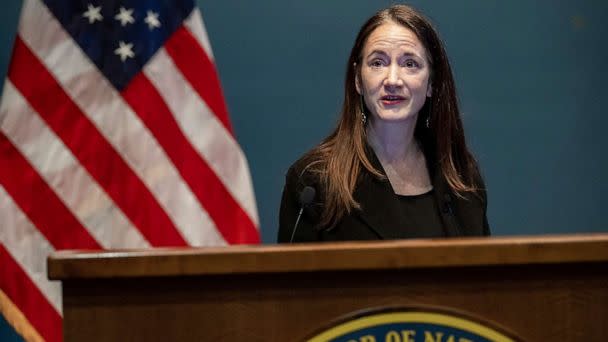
(397, 165)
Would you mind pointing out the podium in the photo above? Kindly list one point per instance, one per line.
(542, 288)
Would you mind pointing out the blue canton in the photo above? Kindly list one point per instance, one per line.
(120, 36)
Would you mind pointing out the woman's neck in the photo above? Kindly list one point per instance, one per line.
(401, 157)
(393, 141)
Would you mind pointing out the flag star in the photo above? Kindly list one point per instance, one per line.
(152, 20)
(124, 51)
(93, 13)
(125, 16)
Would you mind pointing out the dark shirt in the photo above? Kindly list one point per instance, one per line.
(422, 215)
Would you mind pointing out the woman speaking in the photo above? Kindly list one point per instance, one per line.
(397, 165)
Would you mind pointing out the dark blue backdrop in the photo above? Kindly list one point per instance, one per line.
(531, 77)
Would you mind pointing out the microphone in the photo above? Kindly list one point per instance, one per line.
(307, 195)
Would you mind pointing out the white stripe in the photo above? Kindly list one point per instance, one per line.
(69, 180)
(204, 131)
(194, 23)
(123, 129)
(28, 247)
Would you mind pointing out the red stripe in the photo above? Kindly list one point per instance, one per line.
(28, 298)
(47, 97)
(38, 201)
(199, 70)
(229, 218)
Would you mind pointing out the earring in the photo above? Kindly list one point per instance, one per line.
(430, 110)
(363, 116)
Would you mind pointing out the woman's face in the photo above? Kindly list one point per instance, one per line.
(394, 75)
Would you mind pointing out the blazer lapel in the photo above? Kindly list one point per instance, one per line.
(379, 207)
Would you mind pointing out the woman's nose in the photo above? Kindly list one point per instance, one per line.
(393, 78)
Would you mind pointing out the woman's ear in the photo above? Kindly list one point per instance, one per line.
(429, 90)
(357, 79)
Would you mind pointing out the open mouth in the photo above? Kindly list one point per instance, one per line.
(392, 99)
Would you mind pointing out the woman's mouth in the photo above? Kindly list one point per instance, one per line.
(390, 100)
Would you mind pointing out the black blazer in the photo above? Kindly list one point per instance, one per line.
(380, 216)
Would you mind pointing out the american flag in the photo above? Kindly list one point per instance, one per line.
(113, 134)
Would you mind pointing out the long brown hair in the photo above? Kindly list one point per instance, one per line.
(338, 160)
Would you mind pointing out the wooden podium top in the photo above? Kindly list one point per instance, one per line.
(402, 254)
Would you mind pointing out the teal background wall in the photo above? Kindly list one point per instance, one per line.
(531, 77)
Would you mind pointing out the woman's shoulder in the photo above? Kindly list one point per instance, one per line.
(306, 170)
(477, 196)
(480, 188)
(472, 178)
(478, 183)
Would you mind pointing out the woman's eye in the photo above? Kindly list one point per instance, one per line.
(410, 63)
(376, 63)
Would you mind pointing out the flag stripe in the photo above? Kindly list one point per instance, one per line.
(204, 131)
(54, 162)
(27, 297)
(194, 23)
(29, 248)
(53, 219)
(99, 158)
(221, 206)
(199, 70)
(147, 103)
(104, 106)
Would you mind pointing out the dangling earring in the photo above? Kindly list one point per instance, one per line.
(428, 117)
(363, 116)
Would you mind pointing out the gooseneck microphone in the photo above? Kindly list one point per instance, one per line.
(307, 195)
